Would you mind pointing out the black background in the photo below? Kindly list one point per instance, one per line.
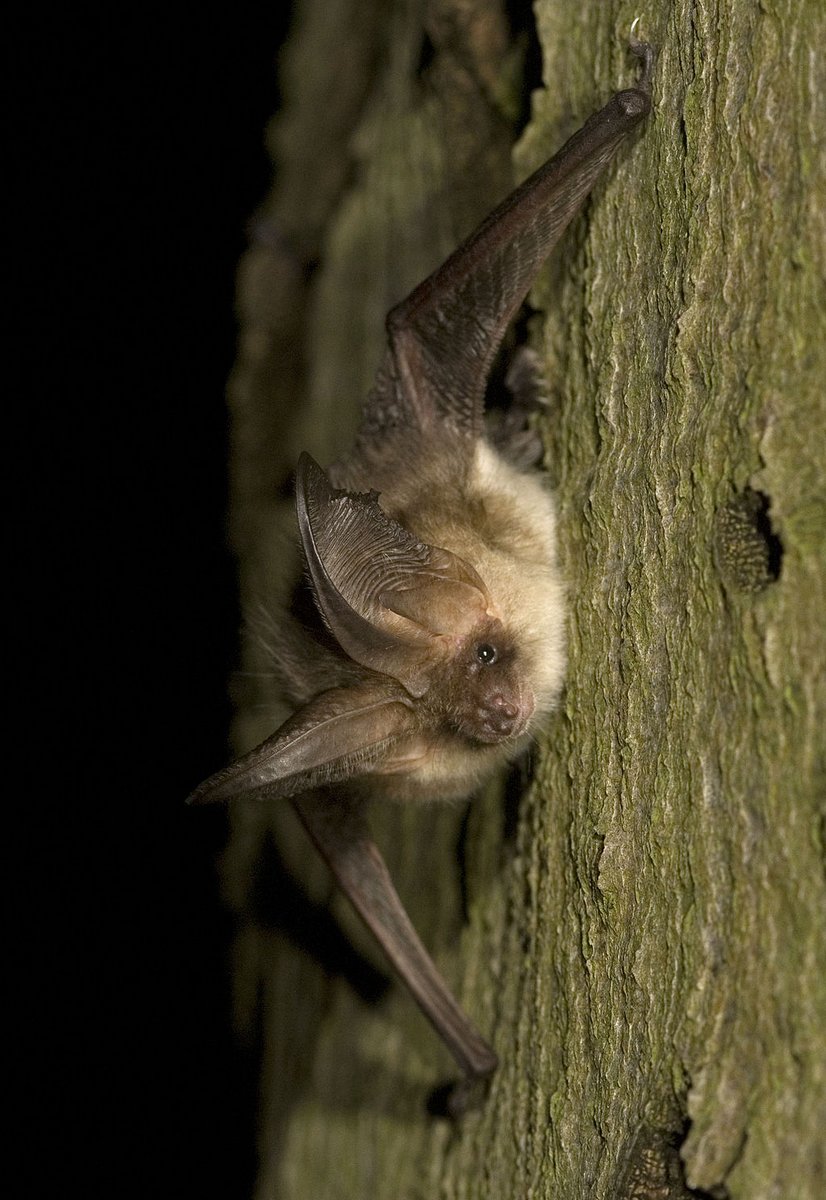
(140, 141)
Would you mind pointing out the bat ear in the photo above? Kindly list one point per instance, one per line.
(387, 597)
(334, 737)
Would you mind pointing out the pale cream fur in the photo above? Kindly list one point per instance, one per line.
(504, 526)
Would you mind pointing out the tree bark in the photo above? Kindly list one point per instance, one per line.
(641, 932)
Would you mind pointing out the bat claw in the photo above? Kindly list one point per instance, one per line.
(525, 380)
(645, 51)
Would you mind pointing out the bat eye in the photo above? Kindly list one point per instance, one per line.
(486, 653)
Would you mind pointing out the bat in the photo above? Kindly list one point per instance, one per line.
(434, 644)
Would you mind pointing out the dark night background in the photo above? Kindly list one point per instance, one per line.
(144, 162)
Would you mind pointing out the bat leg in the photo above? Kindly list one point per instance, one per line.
(510, 430)
(339, 830)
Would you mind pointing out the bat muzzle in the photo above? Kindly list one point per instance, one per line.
(500, 717)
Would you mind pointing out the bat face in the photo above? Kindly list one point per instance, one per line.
(431, 562)
(482, 694)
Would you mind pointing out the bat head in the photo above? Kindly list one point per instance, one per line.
(415, 612)
(418, 619)
(479, 690)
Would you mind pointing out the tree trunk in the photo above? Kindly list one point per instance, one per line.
(640, 932)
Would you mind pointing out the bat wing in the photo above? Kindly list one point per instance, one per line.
(339, 830)
(335, 736)
(387, 597)
(443, 338)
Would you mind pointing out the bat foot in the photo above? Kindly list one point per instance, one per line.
(457, 1097)
(643, 51)
(509, 430)
(526, 381)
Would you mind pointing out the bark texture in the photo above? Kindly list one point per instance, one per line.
(641, 932)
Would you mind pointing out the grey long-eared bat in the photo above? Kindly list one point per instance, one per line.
(430, 555)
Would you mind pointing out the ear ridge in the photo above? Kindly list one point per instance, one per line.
(446, 606)
(328, 740)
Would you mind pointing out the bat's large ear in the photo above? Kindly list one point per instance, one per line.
(337, 735)
(391, 601)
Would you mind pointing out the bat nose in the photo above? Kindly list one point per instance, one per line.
(499, 714)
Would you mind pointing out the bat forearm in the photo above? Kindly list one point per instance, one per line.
(340, 832)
